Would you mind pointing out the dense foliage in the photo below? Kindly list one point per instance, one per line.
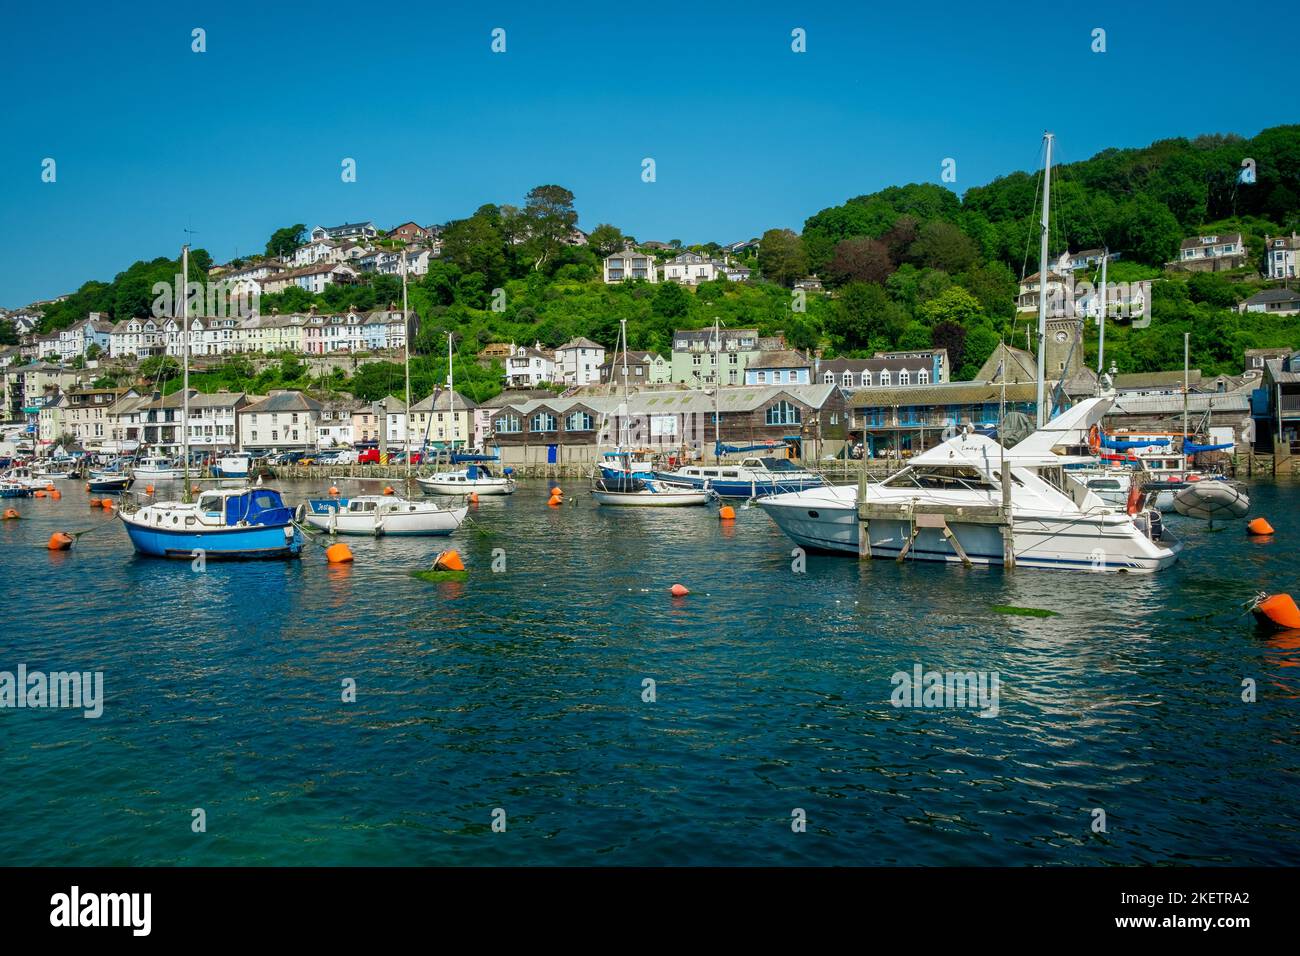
(907, 267)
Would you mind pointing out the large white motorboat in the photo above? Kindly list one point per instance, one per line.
(382, 515)
(939, 509)
(748, 478)
(24, 477)
(158, 469)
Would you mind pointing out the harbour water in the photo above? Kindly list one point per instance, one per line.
(523, 690)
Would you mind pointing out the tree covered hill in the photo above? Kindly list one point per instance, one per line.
(911, 266)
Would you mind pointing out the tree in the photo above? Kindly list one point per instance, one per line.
(782, 257)
(954, 305)
(284, 241)
(671, 301)
(476, 245)
(860, 260)
(550, 217)
(941, 245)
(605, 240)
(862, 314)
(160, 368)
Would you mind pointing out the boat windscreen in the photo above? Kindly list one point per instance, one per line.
(779, 464)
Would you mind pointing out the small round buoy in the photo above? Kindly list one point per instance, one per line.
(338, 553)
(679, 590)
(473, 497)
(107, 504)
(1259, 526)
(448, 561)
(555, 501)
(148, 489)
(334, 492)
(557, 490)
(56, 494)
(1279, 611)
(727, 513)
(389, 490)
(59, 541)
(49, 486)
(95, 502)
(38, 493)
(11, 514)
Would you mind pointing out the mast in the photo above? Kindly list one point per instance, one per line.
(185, 381)
(406, 343)
(622, 432)
(1186, 355)
(451, 398)
(717, 388)
(1101, 318)
(1042, 281)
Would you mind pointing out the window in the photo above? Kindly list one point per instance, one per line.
(508, 423)
(866, 378)
(829, 378)
(923, 377)
(904, 377)
(885, 380)
(542, 422)
(579, 422)
(762, 378)
(783, 413)
(847, 379)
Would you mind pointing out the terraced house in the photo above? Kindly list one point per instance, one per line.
(283, 421)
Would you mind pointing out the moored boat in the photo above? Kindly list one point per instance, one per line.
(636, 492)
(477, 478)
(1212, 500)
(381, 515)
(109, 481)
(224, 523)
(235, 465)
(750, 478)
(156, 468)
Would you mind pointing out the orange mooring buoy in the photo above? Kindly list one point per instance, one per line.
(555, 501)
(11, 514)
(448, 561)
(334, 492)
(557, 490)
(56, 494)
(473, 497)
(679, 590)
(38, 493)
(60, 541)
(1277, 610)
(107, 504)
(389, 490)
(338, 553)
(1259, 526)
(95, 502)
(49, 486)
(727, 513)
(148, 489)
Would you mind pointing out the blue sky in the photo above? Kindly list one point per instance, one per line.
(151, 138)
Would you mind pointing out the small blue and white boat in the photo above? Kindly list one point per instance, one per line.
(751, 478)
(224, 523)
(628, 464)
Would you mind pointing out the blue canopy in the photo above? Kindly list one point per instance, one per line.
(721, 449)
(1191, 448)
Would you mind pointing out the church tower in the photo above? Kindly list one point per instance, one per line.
(1064, 347)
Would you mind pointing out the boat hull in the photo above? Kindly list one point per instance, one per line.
(327, 515)
(725, 488)
(1040, 542)
(121, 483)
(651, 499)
(235, 544)
(434, 486)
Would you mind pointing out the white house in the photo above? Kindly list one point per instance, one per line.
(284, 420)
(1274, 302)
(630, 264)
(578, 361)
(1281, 255)
(1212, 253)
(349, 230)
(691, 268)
(529, 367)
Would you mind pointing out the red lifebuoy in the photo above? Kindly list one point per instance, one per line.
(1094, 438)
(1134, 499)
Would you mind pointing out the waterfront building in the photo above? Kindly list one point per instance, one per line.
(283, 421)
(779, 367)
(432, 421)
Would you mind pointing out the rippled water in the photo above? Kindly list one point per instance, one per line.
(523, 691)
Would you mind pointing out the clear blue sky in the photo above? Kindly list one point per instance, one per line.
(151, 138)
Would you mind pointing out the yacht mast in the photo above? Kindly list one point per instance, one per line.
(185, 381)
(1042, 282)
(451, 398)
(406, 341)
(1101, 319)
(1187, 336)
(717, 388)
(622, 432)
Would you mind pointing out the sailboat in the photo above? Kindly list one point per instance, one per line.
(477, 477)
(376, 515)
(232, 523)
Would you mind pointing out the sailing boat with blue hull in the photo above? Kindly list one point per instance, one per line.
(230, 523)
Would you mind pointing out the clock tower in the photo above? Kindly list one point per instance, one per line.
(1063, 350)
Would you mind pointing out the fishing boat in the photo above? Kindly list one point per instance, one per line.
(25, 477)
(954, 502)
(629, 463)
(635, 492)
(476, 477)
(382, 515)
(750, 478)
(56, 468)
(223, 523)
(234, 465)
(13, 489)
(155, 468)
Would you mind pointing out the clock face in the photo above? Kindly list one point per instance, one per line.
(1061, 336)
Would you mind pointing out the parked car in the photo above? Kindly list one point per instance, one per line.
(369, 456)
